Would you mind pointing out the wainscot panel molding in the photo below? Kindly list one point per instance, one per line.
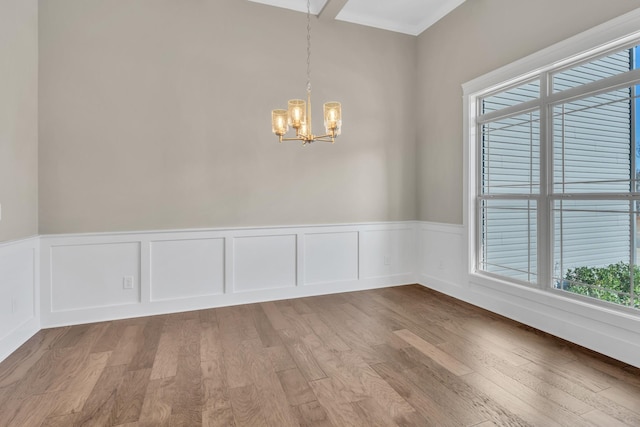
(19, 293)
(443, 266)
(61, 280)
(105, 276)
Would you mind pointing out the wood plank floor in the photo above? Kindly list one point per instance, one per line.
(404, 356)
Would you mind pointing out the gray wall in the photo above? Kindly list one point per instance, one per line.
(140, 106)
(18, 118)
(476, 38)
(155, 114)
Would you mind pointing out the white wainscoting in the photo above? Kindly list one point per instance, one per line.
(71, 279)
(442, 266)
(331, 257)
(192, 267)
(19, 293)
(82, 275)
(264, 262)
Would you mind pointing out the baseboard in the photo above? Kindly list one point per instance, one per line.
(605, 330)
(59, 280)
(19, 293)
(17, 337)
(99, 314)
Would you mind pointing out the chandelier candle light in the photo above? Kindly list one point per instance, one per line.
(298, 114)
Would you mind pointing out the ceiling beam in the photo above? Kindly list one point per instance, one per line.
(331, 9)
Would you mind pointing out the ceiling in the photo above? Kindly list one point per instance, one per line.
(402, 16)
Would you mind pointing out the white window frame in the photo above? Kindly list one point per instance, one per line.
(612, 35)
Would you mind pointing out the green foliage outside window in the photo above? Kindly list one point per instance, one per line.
(612, 283)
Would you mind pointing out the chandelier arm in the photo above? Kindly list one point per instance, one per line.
(323, 138)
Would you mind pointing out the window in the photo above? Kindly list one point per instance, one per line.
(557, 161)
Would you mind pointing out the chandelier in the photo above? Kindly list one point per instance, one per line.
(298, 114)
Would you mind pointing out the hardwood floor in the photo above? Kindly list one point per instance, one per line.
(404, 356)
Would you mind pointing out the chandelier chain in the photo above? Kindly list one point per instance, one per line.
(308, 45)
